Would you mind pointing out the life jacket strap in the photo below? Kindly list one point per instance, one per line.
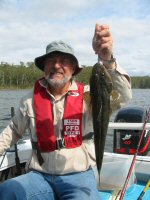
(60, 144)
(39, 156)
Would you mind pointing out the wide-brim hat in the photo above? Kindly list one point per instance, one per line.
(58, 46)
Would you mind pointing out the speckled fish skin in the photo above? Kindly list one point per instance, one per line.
(100, 90)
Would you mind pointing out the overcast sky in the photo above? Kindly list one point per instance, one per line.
(27, 26)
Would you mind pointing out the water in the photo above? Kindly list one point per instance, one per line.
(11, 98)
(8, 99)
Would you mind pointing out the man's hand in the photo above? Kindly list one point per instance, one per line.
(103, 42)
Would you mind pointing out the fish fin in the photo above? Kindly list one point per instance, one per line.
(114, 95)
(115, 101)
(99, 180)
(87, 99)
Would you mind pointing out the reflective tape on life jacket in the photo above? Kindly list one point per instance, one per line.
(72, 120)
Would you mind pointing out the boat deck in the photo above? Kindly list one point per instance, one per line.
(132, 193)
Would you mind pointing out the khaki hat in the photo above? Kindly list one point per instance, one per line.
(58, 46)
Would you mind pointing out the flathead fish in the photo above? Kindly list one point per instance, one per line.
(100, 90)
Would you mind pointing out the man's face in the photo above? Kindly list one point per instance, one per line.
(58, 68)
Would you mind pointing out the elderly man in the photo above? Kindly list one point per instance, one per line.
(58, 118)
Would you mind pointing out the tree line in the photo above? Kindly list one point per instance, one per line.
(24, 75)
(19, 76)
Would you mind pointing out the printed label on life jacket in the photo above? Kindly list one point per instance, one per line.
(72, 127)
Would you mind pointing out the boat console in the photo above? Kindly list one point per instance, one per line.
(126, 141)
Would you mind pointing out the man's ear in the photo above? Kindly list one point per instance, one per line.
(73, 68)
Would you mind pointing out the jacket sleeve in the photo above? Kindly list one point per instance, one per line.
(16, 128)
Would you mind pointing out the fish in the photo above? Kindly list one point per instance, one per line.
(100, 91)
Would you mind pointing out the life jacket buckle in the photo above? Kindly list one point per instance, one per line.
(60, 144)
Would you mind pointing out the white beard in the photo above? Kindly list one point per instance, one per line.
(58, 83)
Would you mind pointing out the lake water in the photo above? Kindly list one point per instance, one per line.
(11, 98)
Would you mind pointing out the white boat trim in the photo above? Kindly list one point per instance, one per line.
(128, 126)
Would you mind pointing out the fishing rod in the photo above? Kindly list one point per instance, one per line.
(144, 190)
(3, 158)
(17, 160)
(134, 157)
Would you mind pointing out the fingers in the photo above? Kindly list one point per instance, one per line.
(99, 27)
(107, 45)
(102, 37)
(106, 42)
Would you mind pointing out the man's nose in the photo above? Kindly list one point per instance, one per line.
(57, 64)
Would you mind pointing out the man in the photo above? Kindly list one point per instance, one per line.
(59, 119)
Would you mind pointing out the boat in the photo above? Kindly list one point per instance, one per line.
(8, 161)
(115, 165)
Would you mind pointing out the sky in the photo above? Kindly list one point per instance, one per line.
(28, 26)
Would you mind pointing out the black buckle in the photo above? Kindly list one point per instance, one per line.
(60, 144)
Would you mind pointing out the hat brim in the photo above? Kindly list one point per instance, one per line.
(39, 62)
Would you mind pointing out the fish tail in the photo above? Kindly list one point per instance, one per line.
(99, 181)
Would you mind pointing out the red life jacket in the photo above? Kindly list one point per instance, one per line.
(72, 120)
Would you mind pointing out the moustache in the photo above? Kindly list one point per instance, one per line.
(53, 72)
